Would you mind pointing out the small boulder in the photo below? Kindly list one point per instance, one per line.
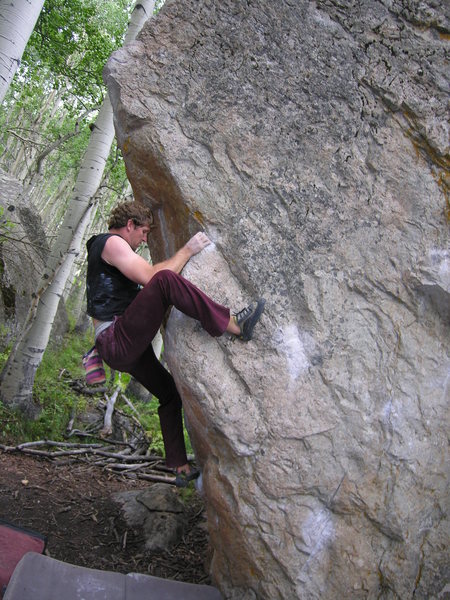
(158, 511)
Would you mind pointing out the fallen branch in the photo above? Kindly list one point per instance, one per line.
(74, 449)
(154, 478)
(87, 434)
(73, 414)
(129, 403)
(127, 458)
(107, 427)
(132, 467)
(143, 466)
(59, 444)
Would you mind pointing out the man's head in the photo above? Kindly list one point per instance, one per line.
(132, 222)
(126, 211)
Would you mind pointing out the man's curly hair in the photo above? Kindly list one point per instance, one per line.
(122, 213)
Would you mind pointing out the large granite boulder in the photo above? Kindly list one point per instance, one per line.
(309, 140)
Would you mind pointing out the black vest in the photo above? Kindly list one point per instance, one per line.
(108, 291)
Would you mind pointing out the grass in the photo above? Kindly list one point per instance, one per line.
(51, 392)
(57, 400)
(147, 414)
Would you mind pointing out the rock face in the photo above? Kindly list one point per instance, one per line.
(23, 253)
(309, 140)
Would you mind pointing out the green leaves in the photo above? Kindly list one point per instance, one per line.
(5, 225)
(57, 90)
(72, 41)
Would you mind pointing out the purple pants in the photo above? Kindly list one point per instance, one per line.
(126, 346)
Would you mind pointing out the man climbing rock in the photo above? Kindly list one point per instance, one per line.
(127, 299)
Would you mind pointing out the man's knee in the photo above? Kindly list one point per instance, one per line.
(165, 274)
(161, 278)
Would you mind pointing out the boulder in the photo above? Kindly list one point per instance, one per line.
(309, 140)
(157, 512)
(23, 252)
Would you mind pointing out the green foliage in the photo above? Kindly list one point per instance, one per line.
(147, 414)
(73, 39)
(115, 177)
(11, 426)
(5, 338)
(5, 345)
(52, 390)
(5, 226)
(71, 43)
(59, 88)
(54, 97)
(57, 399)
(187, 494)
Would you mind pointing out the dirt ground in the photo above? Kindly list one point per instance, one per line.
(71, 505)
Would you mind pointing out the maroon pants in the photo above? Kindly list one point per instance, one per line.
(126, 346)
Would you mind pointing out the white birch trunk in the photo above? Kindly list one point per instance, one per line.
(17, 378)
(17, 21)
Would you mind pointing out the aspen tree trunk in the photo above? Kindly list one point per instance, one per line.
(17, 378)
(17, 21)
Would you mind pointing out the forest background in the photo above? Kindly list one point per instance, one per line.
(48, 119)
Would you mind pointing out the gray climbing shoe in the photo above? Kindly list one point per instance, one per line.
(183, 479)
(248, 317)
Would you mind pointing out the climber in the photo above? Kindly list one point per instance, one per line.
(127, 298)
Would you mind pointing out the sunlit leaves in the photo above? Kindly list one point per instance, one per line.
(72, 41)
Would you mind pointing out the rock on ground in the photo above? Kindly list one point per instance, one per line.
(310, 141)
(157, 512)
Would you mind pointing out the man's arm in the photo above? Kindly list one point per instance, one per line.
(118, 253)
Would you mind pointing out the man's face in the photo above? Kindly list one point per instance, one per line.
(138, 235)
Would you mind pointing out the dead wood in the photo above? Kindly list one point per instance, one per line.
(110, 402)
(141, 465)
(128, 457)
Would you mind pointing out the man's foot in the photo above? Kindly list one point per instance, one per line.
(247, 318)
(183, 478)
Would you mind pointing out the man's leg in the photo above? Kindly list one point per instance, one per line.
(154, 377)
(136, 328)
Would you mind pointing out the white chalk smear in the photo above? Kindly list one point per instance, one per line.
(293, 348)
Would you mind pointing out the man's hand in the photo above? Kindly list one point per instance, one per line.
(197, 243)
(118, 253)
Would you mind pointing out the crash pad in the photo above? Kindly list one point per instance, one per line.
(39, 577)
(15, 541)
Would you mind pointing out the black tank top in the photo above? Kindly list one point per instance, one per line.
(108, 291)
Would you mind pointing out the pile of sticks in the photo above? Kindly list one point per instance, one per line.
(99, 454)
(129, 457)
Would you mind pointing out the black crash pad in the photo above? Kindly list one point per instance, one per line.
(39, 577)
(14, 543)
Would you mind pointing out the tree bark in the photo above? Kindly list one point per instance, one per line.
(17, 378)
(17, 21)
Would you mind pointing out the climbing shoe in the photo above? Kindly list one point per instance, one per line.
(248, 317)
(183, 479)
